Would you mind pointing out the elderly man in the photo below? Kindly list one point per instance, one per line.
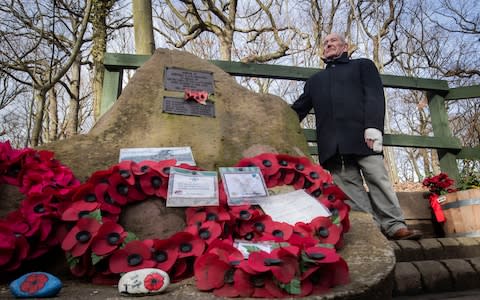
(349, 104)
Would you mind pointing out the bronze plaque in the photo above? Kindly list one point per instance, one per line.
(179, 106)
(180, 79)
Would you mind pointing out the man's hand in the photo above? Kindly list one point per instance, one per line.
(374, 139)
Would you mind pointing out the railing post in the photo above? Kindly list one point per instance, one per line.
(438, 113)
(112, 88)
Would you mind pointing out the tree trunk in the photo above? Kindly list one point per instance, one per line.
(38, 120)
(100, 10)
(142, 23)
(52, 115)
(74, 103)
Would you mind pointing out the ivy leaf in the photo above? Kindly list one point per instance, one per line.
(96, 214)
(251, 248)
(72, 261)
(130, 237)
(335, 219)
(293, 287)
(96, 258)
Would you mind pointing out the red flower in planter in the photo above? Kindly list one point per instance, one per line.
(439, 184)
(33, 283)
(153, 282)
(207, 231)
(187, 244)
(163, 252)
(136, 255)
(325, 231)
(80, 237)
(109, 237)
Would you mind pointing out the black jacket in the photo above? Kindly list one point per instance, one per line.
(347, 98)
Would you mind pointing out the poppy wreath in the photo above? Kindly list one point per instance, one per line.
(82, 218)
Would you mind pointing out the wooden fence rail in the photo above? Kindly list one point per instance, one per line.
(449, 148)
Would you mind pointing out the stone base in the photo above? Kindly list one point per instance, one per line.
(369, 255)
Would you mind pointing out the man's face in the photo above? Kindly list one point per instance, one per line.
(333, 46)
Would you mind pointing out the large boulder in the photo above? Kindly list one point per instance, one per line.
(245, 122)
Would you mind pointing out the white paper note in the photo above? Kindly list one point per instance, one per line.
(293, 207)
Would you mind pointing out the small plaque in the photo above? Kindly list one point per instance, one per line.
(180, 79)
(179, 106)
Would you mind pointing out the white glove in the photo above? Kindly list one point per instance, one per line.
(374, 139)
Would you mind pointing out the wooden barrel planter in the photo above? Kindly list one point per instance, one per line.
(462, 213)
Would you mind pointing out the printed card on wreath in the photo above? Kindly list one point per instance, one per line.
(188, 188)
(244, 185)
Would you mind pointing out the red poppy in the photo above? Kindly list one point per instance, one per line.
(182, 269)
(286, 161)
(40, 227)
(277, 231)
(282, 262)
(267, 162)
(80, 237)
(153, 282)
(258, 285)
(255, 224)
(79, 209)
(194, 215)
(107, 203)
(299, 182)
(187, 244)
(210, 271)
(100, 176)
(136, 255)
(7, 244)
(22, 251)
(329, 275)
(337, 207)
(244, 212)
(226, 251)
(163, 252)
(207, 231)
(325, 231)
(124, 169)
(109, 237)
(83, 266)
(302, 236)
(37, 206)
(33, 283)
(152, 183)
(290, 177)
(118, 188)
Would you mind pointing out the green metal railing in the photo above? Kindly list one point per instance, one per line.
(449, 148)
